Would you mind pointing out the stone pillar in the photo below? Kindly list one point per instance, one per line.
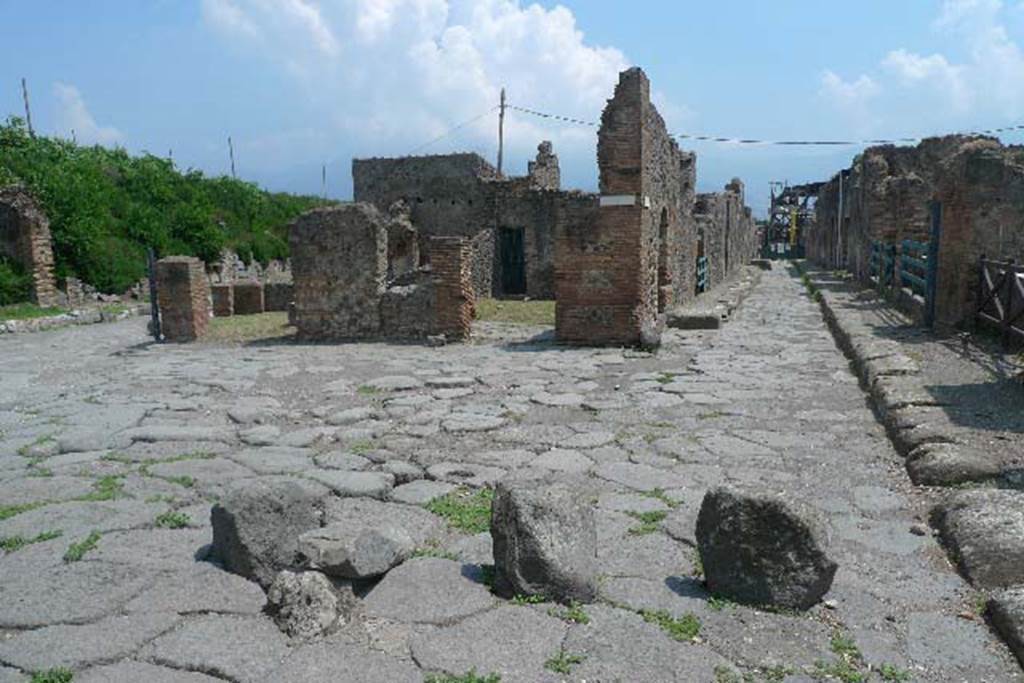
(277, 296)
(248, 297)
(223, 295)
(25, 238)
(451, 264)
(184, 298)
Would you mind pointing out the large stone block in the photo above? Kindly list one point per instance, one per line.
(248, 298)
(223, 296)
(257, 524)
(759, 549)
(183, 297)
(545, 539)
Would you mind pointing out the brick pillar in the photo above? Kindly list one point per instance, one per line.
(451, 264)
(25, 237)
(223, 295)
(183, 297)
(248, 298)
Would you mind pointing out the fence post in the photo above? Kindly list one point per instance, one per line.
(932, 277)
(154, 308)
(1009, 280)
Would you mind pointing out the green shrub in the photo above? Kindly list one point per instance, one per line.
(106, 207)
(15, 283)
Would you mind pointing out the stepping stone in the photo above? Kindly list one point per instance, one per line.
(421, 492)
(512, 642)
(340, 661)
(242, 649)
(465, 473)
(356, 484)
(427, 590)
(562, 460)
(395, 383)
(76, 647)
(352, 416)
(136, 672)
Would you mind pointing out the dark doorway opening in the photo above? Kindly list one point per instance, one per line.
(513, 261)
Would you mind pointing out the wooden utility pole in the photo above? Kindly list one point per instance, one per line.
(231, 153)
(501, 131)
(28, 112)
(323, 182)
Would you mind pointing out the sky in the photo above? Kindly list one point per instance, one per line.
(298, 84)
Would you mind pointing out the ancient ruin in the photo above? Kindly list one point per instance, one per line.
(25, 239)
(184, 298)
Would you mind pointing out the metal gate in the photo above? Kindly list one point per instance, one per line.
(1001, 298)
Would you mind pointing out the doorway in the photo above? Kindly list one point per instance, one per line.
(512, 255)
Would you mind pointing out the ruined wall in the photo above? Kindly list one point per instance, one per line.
(248, 297)
(612, 273)
(686, 250)
(222, 295)
(729, 230)
(183, 298)
(450, 262)
(408, 308)
(25, 239)
(544, 172)
(339, 267)
(981, 190)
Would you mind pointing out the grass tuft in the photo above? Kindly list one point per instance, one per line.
(59, 675)
(574, 613)
(28, 311)
(528, 599)
(173, 520)
(649, 521)
(683, 629)
(76, 551)
(13, 544)
(517, 312)
(105, 488)
(464, 509)
(8, 511)
(563, 662)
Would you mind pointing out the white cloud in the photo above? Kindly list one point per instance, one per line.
(935, 92)
(386, 75)
(73, 117)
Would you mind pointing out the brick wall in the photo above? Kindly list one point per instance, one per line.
(183, 298)
(339, 267)
(248, 297)
(223, 296)
(450, 263)
(25, 239)
(612, 272)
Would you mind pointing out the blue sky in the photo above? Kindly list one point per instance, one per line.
(299, 83)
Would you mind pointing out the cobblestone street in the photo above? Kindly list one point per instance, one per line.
(102, 431)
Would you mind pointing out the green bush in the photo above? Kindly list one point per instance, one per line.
(106, 207)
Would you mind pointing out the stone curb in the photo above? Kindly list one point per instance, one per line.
(980, 529)
(702, 314)
(85, 316)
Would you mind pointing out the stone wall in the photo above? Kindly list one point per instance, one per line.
(339, 266)
(222, 295)
(25, 239)
(614, 274)
(248, 297)
(183, 298)
(461, 195)
(728, 229)
(341, 289)
(886, 197)
(277, 296)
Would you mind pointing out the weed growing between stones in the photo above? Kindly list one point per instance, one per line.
(649, 521)
(59, 675)
(361, 447)
(698, 565)
(683, 629)
(367, 390)
(468, 677)
(433, 549)
(718, 604)
(183, 480)
(8, 511)
(849, 662)
(665, 378)
(574, 613)
(724, 674)
(528, 599)
(173, 520)
(105, 488)
(76, 551)
(659, 494)
(563, 662)
(15, 543)
(890, 673)
(464, 509)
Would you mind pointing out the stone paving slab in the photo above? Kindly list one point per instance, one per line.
(766, 399)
